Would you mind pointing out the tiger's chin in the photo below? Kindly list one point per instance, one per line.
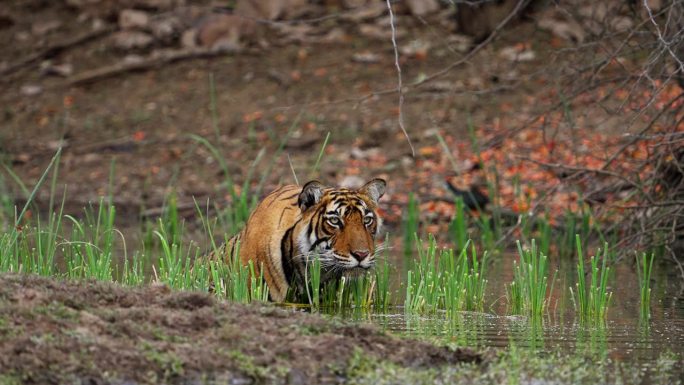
(355, 272)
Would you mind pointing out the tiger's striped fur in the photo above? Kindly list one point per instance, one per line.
(293, 224)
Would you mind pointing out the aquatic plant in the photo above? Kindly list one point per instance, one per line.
(592, 301)
(443, 280)
(313, 289)
(527, 294)
(382, 294)
(644, 267)
(410, 225)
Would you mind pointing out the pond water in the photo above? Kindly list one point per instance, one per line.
(623, 337)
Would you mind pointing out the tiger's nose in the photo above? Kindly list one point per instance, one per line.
(360, 255)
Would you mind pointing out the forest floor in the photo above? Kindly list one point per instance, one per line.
(497, 112)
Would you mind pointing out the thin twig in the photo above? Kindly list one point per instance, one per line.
(399, 83)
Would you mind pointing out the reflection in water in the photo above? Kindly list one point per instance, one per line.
(623, 337)
(616, 339)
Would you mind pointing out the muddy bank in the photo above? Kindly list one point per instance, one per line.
(53, 331)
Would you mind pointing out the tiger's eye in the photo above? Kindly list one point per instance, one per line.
(335, 221)
(367, 221)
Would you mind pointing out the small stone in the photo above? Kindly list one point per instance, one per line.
(133, 59)
(189, 38)
(45, 27)
(366, 57)
(347, 4)
(371, 11)
(22, 36)
(31, 90)
(128, 40)
(378, 32)
(133, 19)
(514, 53)
(417, 48)
(422, 7)
(63, 70)
(165, 30)
(224, 30)
(352, 181)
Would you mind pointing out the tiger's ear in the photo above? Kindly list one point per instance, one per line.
(310, 195)
(374, 189)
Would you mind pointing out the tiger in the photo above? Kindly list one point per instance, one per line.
(293, 224)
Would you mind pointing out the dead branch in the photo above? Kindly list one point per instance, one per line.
(56, 48)
(157, 59)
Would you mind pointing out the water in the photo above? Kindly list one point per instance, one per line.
(623, 337)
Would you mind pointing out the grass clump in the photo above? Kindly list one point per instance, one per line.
(644, 268)
(592, 301)
(442, 279)
(527, 292)
(410, 225)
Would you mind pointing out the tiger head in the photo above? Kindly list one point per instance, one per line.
(342, 225)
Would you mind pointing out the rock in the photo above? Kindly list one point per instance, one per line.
(63, 70)
(31, 90)
(380, 33)
(366, 57)
(22, 36)
(348, 4)
(335, 35)
(224, 30)
(127, 40)
(422, 7)
(133, 19)
(189, 38)
(369, 12)
(352, 181)
(45, 27)
(267, 9)
(416, 48)
(460, 43)
(516, 53)
(133, 59)
(166, 30)
(568, 30)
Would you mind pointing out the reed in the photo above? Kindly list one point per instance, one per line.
(458, 225)
(527, 294)
(443, 280)
(383, 296)
(592, 301)
(313, 289)
(464, 279)
(644, 268)
(410, 225)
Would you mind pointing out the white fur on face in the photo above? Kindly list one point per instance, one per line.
(304, 243)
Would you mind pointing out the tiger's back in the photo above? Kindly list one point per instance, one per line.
(292, 224)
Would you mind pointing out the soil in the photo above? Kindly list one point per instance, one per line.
(53, 331)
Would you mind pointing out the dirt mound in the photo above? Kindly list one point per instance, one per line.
(91, 332)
